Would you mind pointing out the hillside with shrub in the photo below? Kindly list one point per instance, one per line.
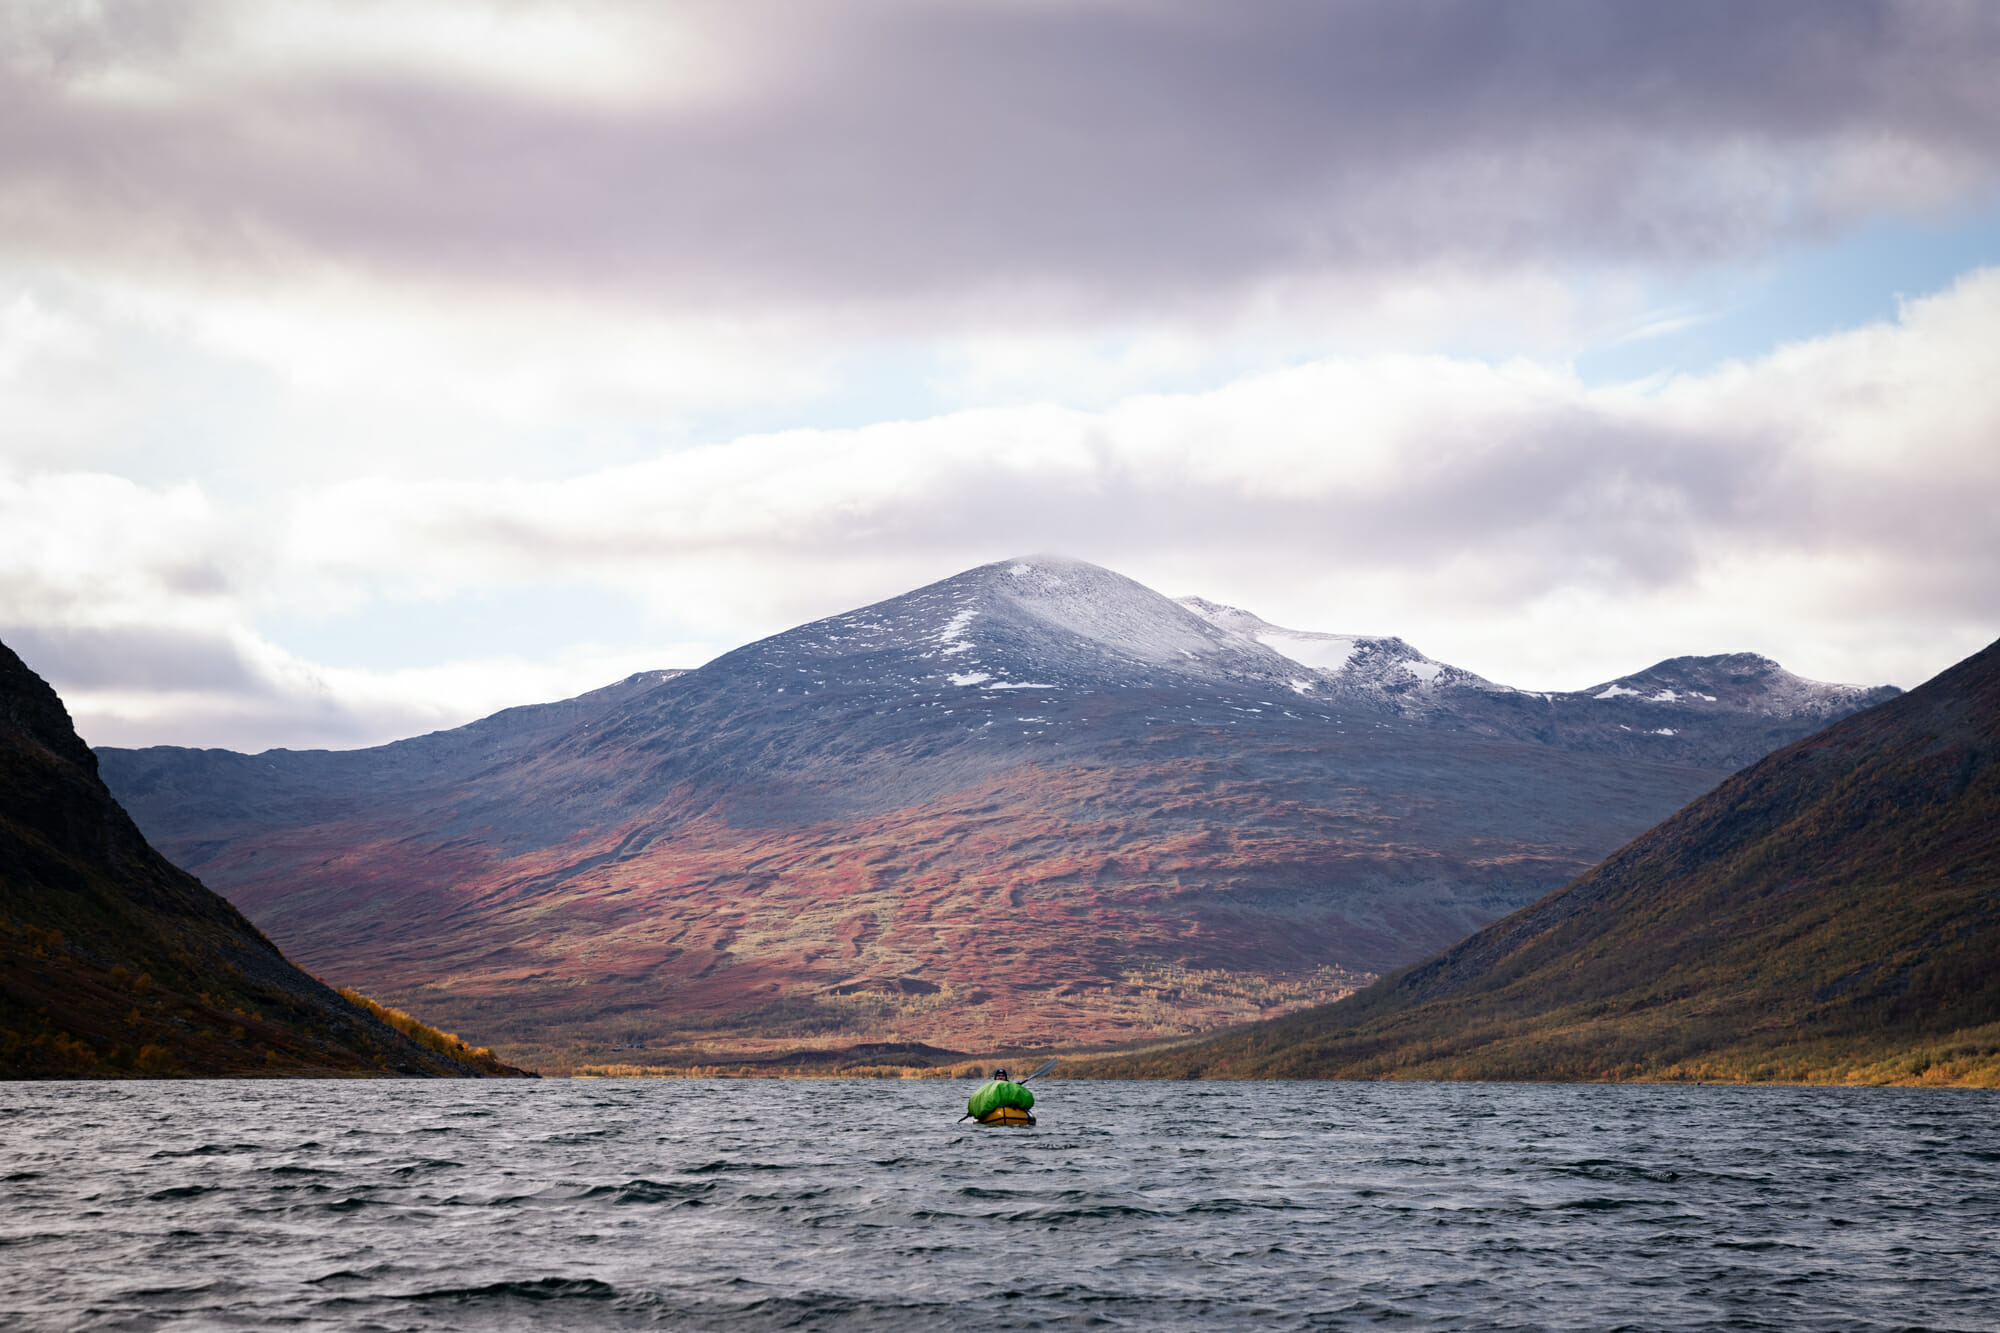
(1830, 914)
(114, 963)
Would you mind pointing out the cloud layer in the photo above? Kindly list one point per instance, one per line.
(983, 157)
(1835, 504)
(328, 322)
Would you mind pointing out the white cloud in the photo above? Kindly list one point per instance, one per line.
(324, 373)
(93, 550)
(139, 603)
(1835, 504)
(314, 313)
(181, 54)
(320, 372)
(281, 701)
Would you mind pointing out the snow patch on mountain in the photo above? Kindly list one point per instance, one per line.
(1346, 662)
(1323, 652)
(1107, 608)
(952, 636)
(1326, 652)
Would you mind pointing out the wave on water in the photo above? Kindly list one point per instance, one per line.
(863, 1205)
(652, 1191)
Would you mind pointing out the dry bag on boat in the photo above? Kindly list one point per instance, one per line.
(995, 1095)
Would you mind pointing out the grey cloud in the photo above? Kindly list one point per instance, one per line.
(65, 39)
(218, 696)
(1122, 153)
(254, 723)
(1572, 499)
(133, 658)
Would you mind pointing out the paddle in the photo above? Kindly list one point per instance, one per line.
(1047, 1065)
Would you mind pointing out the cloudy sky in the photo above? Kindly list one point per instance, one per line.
(365, 367)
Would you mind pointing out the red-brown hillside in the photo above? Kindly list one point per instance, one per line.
(1034, 802)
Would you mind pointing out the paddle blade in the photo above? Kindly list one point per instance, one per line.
(1046, 1067)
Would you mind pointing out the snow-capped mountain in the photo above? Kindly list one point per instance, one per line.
(1051, 651)
(1039, 623)
(1389, 671)
(1720, 712)
(1382, 669)
(991, 803)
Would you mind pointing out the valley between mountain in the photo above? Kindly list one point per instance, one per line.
(1033, 804)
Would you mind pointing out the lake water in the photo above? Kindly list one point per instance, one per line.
(861, 1205)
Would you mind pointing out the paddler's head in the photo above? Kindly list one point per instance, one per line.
(1000, 1074)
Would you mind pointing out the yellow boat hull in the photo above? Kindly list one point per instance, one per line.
(1006, 1115)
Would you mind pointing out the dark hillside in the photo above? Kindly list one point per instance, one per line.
(113, 962)
(1832, 912)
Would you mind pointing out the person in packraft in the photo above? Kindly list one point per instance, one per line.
(998, 1092)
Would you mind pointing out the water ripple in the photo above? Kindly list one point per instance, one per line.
(861, 1205)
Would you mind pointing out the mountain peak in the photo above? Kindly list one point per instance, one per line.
(1045, 621)
(1107, 608)
(1742, 680)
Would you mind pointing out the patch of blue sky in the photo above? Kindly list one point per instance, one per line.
(1742, 311)
(904, 381)
(531, 621)
(1694, 320)
(884, 382)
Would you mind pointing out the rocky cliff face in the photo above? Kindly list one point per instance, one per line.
(1034, 800)
(113, 962)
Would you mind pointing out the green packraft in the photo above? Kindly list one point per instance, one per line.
(995, 1095)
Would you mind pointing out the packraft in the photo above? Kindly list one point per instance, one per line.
(999, 1102)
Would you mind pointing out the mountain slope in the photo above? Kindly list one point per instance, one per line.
(1033, 801)
(114, 962)
(1832, 912)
